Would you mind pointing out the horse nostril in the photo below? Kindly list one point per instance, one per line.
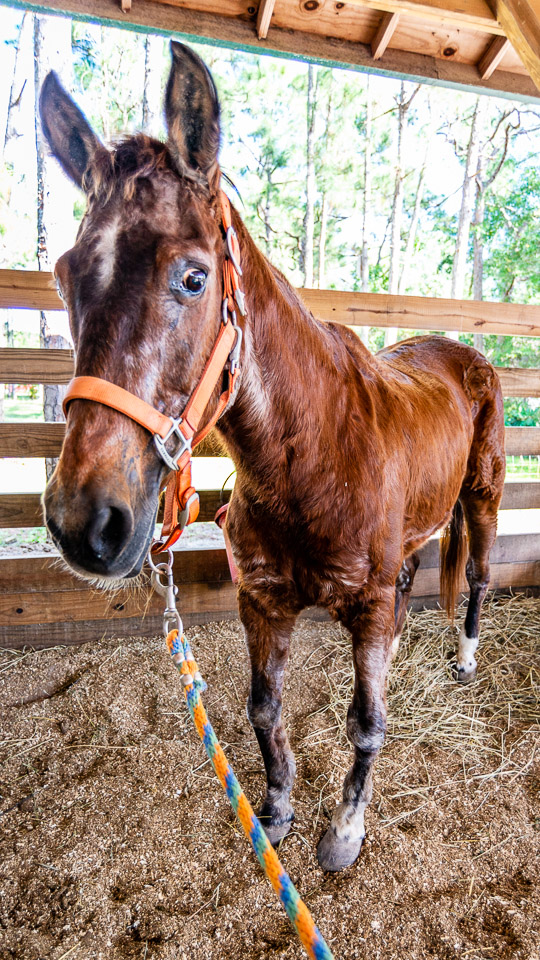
(109, 530)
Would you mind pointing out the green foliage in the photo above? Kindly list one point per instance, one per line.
(264, 132)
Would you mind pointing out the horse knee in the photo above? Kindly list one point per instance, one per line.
(265, 714)
(368, 735)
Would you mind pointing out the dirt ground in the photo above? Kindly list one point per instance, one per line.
(116, 840)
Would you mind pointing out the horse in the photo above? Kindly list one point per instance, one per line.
(347, 462)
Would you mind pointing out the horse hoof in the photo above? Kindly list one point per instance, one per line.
(334, 854)
(465, 676)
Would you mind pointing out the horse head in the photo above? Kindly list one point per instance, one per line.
(142, 287)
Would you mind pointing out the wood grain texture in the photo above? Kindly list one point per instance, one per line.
(20, 510)
(31, 439)
(200, 599)
(423, 313)
(264, 16)
(33, 365)
(492, 57)
(202, 25)
(383, 35)
(353, 308)
(27, 438)
(522, 441)
(520, 20)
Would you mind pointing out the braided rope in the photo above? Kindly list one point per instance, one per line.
(296, 909)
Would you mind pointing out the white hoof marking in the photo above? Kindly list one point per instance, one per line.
(466, 649)
(348, 822)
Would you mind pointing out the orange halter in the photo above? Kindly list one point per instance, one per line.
(181, 498)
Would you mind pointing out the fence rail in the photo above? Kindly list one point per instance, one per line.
(42, 604)
(35, 290)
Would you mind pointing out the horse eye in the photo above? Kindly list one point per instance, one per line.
(190, 281)
(194, 280)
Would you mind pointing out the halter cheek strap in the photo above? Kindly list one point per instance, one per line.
(181, 498)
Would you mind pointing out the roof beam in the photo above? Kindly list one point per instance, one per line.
(464, 14)
(383, 35)
(264, 16)
(520, 20)
(202, 27)
(492, 57)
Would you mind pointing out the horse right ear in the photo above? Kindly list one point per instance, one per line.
(70, 136)
(192, 114)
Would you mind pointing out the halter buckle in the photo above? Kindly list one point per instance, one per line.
(172, 460)
(234, 355)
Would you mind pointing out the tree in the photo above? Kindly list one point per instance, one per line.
(52, 47)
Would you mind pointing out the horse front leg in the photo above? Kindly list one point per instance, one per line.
(372, 629)
(268, 633)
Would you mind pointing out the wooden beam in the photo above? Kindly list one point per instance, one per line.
(23, 510)
(32, 439)
(202, 26)
(264, 16)
(32, 289)
(423, 313)
(463, 14)
(522, 441)
(383, 35)
(492, 57)
(520, 20)
(32, 365)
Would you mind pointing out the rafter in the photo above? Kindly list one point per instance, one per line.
(264, 16)
(492, 57)
(520, 20)
(383, 35)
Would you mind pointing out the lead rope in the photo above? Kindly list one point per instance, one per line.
(193, 684)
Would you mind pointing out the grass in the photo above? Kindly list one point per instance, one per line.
(23, 408)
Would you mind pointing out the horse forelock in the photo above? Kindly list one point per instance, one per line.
(131, 160)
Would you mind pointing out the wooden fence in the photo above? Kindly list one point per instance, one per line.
(42, 603)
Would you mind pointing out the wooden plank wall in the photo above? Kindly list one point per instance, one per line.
(41, 603)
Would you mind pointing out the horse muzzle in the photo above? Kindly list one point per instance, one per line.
(96, 531)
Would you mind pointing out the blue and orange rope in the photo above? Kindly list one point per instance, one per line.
(296, 909)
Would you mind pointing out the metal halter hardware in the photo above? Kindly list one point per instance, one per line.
(172, 460)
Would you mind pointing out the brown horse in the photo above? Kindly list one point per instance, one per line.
(346, 462)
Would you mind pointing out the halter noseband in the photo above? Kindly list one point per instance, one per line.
(181, 498)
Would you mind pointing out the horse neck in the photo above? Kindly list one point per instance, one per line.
(292, 367)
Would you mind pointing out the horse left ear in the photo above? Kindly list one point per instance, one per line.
(192, 114)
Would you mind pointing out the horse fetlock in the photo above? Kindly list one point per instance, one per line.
(276, 815)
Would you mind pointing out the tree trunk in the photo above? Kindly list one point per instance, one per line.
(322, 242)
(309, 215)
(409, 248)
(153, 69)
(478, 246)
(465, 213)
(390, 335)
(52, 48)
(17, 89)
(366, 208)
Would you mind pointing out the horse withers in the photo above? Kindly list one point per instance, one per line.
(346, 462)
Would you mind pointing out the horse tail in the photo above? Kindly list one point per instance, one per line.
(453, 554)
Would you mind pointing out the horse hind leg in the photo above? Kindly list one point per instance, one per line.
(404, 584)
(481, 519)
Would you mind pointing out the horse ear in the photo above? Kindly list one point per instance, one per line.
(192, 114)
(70, 136)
